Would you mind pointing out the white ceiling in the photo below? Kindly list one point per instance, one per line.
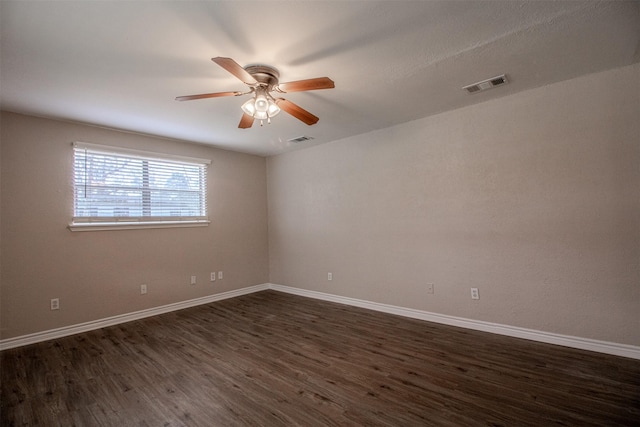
(120, 64)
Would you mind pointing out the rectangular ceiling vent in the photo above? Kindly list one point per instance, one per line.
(300, 139)
(486, 84)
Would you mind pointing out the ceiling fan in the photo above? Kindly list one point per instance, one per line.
(262, 80)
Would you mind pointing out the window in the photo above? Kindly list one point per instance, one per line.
(121, 188)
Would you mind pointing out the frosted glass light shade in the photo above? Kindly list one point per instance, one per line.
(273, 109)
(262, 104)
(249, 107)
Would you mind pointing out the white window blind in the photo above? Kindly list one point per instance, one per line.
(121, 188)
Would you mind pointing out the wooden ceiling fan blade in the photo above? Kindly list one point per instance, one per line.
(309, 84)
(207, 95)
(297, 111)
(234, 68)
(246, 121)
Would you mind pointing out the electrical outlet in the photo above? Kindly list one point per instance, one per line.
(193, 280)
(429, 288)
(55, 304)
(220, 275)
(475, 294)
(143, 289)
(213, 276)
(329, 276)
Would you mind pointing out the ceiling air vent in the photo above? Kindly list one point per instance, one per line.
(300, 139)
(486, 84)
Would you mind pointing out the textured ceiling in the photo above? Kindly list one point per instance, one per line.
(120, 64)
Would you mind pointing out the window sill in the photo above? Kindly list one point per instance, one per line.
(104, 226)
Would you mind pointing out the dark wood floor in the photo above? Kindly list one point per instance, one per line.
(270, 359)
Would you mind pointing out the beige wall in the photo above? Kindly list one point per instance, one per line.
(533, 198)
(98, 274)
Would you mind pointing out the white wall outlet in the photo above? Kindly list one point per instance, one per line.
(213, 276)
(329, 276)
(143, 289)
(220, 275)
(475, 294)
(193, 280)
(55, 304)
(429, 288)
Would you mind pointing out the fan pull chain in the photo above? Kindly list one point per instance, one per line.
(268, 121)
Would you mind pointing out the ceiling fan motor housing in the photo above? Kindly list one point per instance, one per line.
(264, 74)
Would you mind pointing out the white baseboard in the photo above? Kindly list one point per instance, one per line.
(123, 318)
(615, 349)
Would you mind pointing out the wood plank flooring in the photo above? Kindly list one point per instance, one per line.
(273, 359)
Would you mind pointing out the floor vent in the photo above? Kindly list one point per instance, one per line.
(300, 139)
(486, 84)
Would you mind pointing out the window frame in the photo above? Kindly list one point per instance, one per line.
(99, 223)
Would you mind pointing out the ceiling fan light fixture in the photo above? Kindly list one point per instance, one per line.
(261, 106)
